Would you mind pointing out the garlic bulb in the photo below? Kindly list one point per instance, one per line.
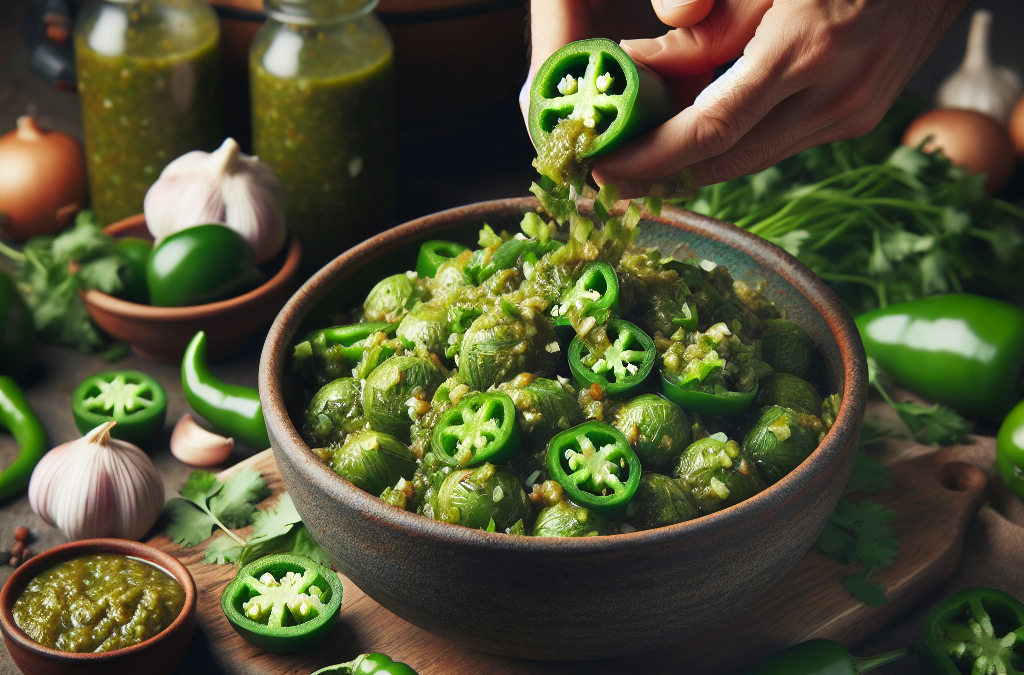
(226, 187)
(977, 84)
(97, 486)
(196, 446)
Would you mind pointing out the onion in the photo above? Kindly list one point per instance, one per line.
(42, 180)
(969, 139)
(1017, 127)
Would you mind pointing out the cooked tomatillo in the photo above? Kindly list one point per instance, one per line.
(98, 603)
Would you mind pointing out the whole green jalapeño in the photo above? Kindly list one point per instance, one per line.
(596, 467)
(622, 368)
(588, 99)
(283, 603)
(481, 428)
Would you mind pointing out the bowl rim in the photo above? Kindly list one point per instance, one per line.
(838, 442)
(106, 302)
(37, 564)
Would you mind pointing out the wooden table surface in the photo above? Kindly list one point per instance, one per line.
(436, 171)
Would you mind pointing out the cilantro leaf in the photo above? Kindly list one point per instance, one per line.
(200, 486)
(306, 546)
(186, 524)
(868, 474)
(865, 591)
(235, 503)
(934, 425)
(103, 274)
(274, 522)
(223, 550)
(837, 543)
(281, 530)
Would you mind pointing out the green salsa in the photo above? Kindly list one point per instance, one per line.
(98, 603)
(323, 117)
(149, 93)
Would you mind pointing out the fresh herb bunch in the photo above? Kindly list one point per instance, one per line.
(53, 269)
(881, 223)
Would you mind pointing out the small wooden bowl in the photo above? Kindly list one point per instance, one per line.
(158, 655)
(162, 333)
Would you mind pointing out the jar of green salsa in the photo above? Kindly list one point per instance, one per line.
(323, 117)
(149, 81)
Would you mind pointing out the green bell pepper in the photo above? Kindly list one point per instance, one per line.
(435, 253)
(283, 603)
(596, 467)
(1010, 450)
(233, 409)
(820, 657)
(368, 664)
(16, 329)
(481, 428)
(622, 368)
(588, 99)
(16, 416)
(131, 398)
(201, 264)
(978, 631)
(964, 351)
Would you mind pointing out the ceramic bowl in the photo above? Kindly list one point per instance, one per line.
(582, 598)
(158, 655)
(162, 333)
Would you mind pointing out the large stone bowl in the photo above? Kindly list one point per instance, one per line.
(586, 598)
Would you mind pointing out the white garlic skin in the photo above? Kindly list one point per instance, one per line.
(977, 84)
(196, 446)
(97, 486)
(226, 187)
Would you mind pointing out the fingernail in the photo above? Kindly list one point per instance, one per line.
(642, 49)
(673, 4)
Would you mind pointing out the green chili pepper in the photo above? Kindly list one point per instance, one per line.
(1010, 450)
(368, 664)
(136, 251)
(598, 87)
(131, 398)
(234, 410)
(16, 416)
(16, 329)
(623, 367)
(480, 268)
(481, 428)
(201, 264)
(964, 351)
(722, 403)
(596, 467)
(283, 603)
(329, 353)
(435, 253)
(820, 657)
(978, 631)
(595, 293)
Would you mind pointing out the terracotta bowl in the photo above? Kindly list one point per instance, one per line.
(583, 598)
(158, 655)
(162, 333)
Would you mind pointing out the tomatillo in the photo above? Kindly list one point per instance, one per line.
(201, 264)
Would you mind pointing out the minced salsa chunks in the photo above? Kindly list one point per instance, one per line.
(563, 388)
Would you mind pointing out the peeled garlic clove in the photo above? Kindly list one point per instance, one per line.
(977, 84)
(226, 187)
(97, 486)
(196, 446)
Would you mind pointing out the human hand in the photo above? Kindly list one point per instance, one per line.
(809, 72)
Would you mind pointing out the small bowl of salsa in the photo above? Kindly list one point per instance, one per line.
(98, 605)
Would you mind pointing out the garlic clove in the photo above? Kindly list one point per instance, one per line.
(97, 486)
(196, 446)
(226, 187)
(977, 84)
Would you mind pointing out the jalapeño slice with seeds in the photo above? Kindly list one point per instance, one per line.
(596, 466)
(623, 367)
(481, 428)
(131, 398)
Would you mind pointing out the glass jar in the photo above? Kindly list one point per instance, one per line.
(149, 82)
(323, 117)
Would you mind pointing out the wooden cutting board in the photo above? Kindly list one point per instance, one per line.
(935, 497)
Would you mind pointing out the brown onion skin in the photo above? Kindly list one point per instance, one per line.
(968, 138)
(42, 180)
(1017, 128)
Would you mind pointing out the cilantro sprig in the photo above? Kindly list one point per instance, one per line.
(206, 503)
(931, 425)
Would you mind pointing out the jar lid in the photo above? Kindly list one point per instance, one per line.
(317, 12)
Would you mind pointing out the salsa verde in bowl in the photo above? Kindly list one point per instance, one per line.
(507, 593)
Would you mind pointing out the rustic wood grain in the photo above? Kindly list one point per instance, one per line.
(935, 497)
